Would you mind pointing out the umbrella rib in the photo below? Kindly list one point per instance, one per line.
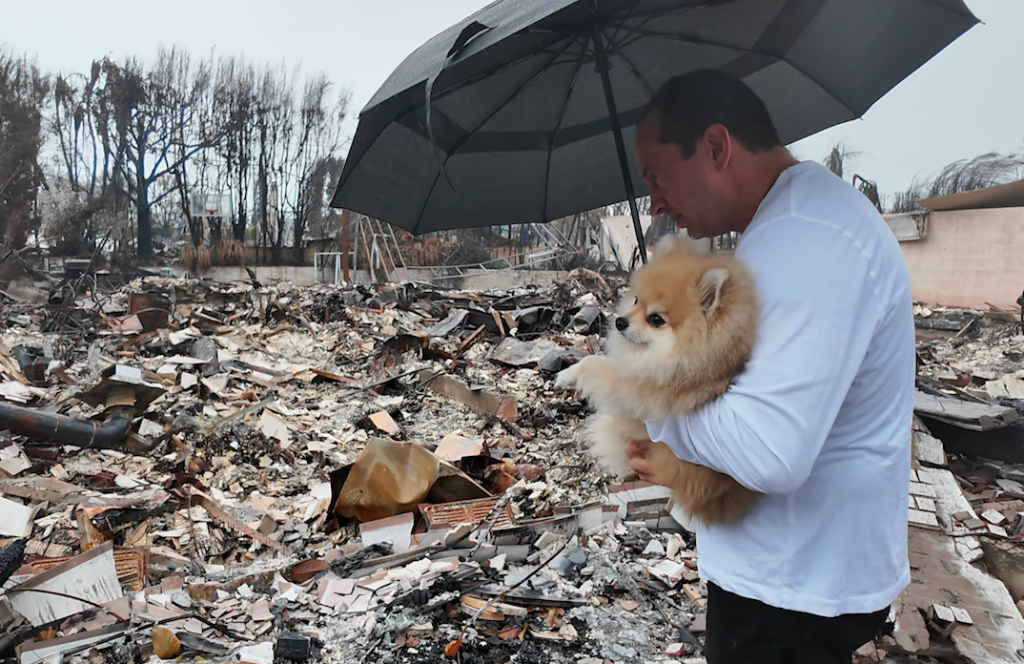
(617, 48)
(558, 127)
(630, 13)
(633, 13)
(754, 50)
(629, 37)
(495, 69)
(632, 68)
(462, 141)
(507, 100)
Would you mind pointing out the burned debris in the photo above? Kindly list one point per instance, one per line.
(277, 473)
(197, 469)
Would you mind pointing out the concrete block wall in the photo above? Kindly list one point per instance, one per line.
(968, 258)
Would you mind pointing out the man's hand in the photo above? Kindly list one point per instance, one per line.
(636, 450)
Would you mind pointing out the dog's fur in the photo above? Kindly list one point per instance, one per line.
(708, 317)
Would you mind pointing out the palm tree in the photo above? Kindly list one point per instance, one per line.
(986, 170)
(838, 157)
(836, 161)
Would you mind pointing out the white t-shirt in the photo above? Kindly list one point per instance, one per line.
(820, 420)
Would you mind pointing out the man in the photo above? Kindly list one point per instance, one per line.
(820, 420)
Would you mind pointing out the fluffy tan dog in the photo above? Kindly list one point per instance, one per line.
(685, 329)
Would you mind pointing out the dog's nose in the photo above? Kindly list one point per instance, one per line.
(621, 323)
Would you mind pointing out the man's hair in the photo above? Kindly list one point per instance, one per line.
(688, 104)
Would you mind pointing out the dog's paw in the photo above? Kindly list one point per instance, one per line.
(608, 443)
(612, 458)
(570, 377)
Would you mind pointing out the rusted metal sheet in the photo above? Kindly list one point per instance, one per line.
(390, 478)
(131, 566)
(466, 511)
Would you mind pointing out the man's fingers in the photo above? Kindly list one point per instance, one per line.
(636, 451)
(641, 467)
(643, 470)
(637, 448)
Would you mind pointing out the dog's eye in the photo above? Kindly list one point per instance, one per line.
(635, 300)
(655, 320)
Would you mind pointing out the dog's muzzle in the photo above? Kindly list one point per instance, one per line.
(630, 334)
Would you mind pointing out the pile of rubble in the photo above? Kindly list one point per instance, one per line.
(251, 472)
(972, 353)
(272, 473)
(971, 396)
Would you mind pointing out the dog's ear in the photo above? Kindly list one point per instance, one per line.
(711, 288)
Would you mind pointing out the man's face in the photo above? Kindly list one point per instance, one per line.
(684, 189)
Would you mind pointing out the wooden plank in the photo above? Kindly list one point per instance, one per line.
(963, 414)
(694, 595)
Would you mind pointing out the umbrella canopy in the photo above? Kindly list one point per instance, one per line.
(533, 103)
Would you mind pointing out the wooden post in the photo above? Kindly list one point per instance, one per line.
(346, 246)
(368, 248)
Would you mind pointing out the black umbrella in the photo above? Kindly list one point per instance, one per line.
(532, 103)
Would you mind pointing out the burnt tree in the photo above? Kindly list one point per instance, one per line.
(154, 122)
(23, 92)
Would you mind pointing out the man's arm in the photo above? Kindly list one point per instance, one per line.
(816, 323)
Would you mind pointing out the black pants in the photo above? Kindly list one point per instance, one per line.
(745, 631)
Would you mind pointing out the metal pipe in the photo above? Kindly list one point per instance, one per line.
(52, 427)
(601, 56)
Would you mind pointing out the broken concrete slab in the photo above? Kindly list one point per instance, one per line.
(396, 530)
(15, 518)
(964, 414)
(514, 352)
(939, 572)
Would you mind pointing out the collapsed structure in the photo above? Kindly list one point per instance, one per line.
(253, 472)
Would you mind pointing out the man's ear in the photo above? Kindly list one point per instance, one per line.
(711, 288)
(719, 143)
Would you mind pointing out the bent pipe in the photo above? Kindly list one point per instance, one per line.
(41, 426)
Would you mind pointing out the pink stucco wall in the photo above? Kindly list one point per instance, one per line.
(968, 258)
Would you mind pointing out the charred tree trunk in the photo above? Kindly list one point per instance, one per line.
(145, 228)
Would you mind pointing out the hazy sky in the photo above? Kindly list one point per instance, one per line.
(966, 101)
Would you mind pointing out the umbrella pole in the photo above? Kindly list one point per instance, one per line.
(620, 145)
